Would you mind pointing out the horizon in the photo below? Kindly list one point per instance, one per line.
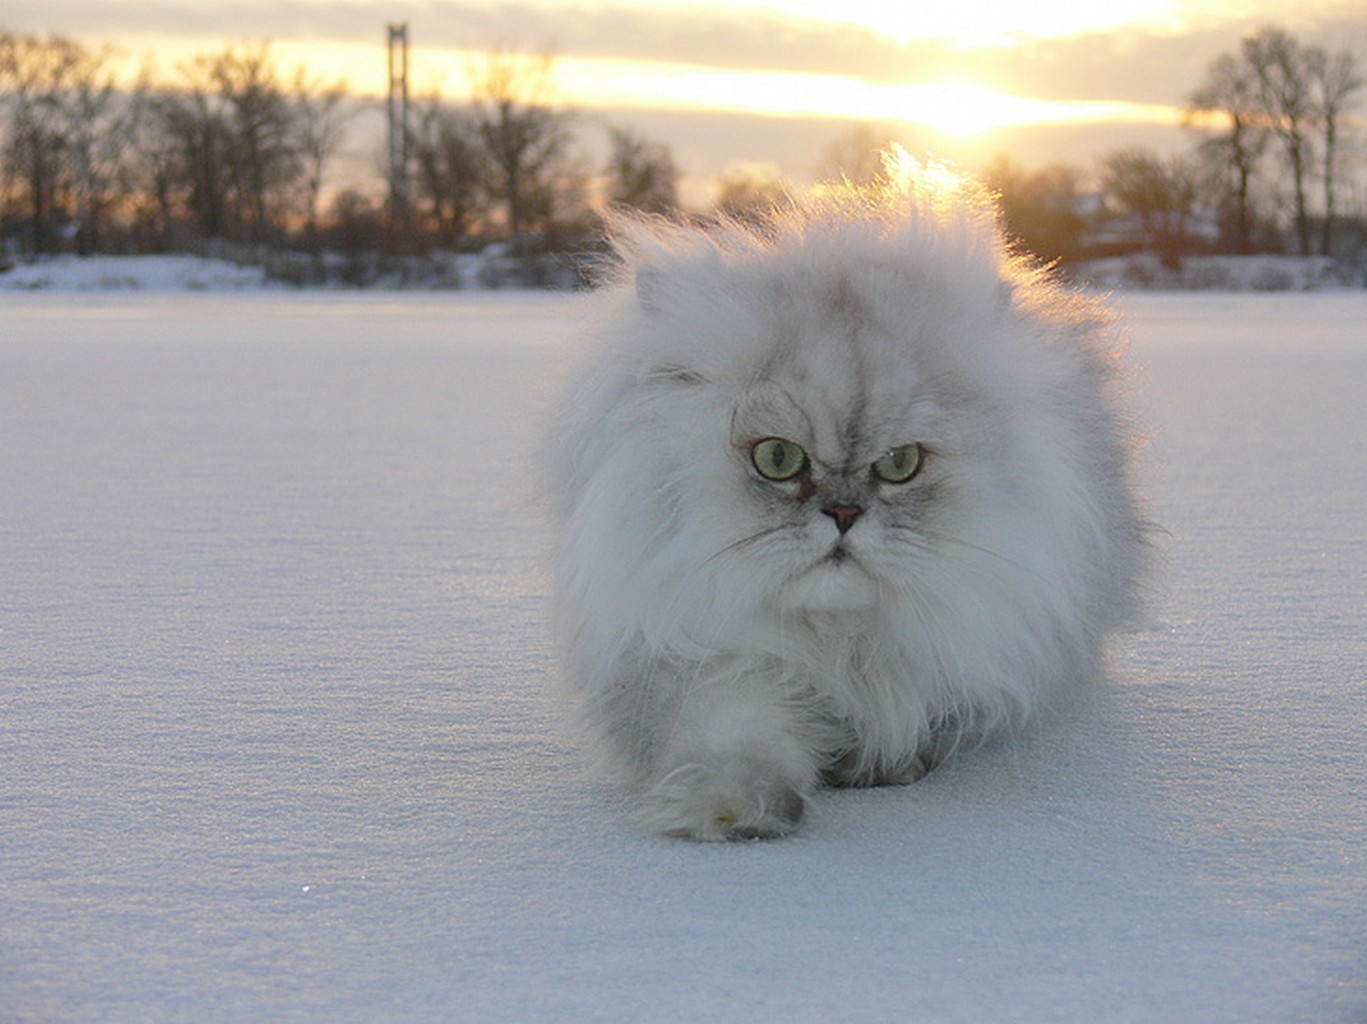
(762, 83)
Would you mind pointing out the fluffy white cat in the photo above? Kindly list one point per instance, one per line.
(835, 497)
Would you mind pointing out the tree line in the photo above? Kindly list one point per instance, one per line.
(234, 148)
(230, 150)
(1271, 136)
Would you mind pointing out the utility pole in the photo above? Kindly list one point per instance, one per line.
(398, 128)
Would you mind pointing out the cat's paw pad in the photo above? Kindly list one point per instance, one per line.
(744, 801)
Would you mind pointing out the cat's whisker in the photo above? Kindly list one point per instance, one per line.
(744, 542)
(919, 537)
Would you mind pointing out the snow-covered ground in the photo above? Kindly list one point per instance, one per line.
(177, 273)
(494, 268)
(273, 746)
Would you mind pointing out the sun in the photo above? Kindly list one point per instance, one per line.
(954, 108)
(962, 108)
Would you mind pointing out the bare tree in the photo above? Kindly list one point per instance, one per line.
(154, 195)
(452, 168)
(524, 135)
(320, 119)
(1229, 94)
(641, 173)
(264, 161)
(1334, 84)
(1160, 194)
(36, 77)
(1281, 70)
(232, 140)
(194, 162)
(104, 119)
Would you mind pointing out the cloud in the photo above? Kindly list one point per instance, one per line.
(703, 35)
(1144, 67)
(1127, 65)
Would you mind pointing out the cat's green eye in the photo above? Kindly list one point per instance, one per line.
(777, 459)
(899, 465)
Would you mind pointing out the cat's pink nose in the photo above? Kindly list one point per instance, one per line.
(844, 515)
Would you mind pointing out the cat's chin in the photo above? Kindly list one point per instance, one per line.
(833, 586)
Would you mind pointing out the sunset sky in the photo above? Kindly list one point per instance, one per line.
(770, 81)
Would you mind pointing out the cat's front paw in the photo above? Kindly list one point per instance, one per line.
(742, 800)
(848, 771)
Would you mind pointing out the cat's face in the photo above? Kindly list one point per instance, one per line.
(854, 453)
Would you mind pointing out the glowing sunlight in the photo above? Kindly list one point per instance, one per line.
(955, 108)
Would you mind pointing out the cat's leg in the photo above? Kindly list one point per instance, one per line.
(853, 768)
(734, 765)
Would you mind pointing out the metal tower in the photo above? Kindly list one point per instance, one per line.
(398, 125)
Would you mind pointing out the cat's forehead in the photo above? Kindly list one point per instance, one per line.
(830, 341)
(822, 393)
(843, 369)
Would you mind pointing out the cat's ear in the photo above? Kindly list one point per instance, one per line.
(669, 269)
(659, 254)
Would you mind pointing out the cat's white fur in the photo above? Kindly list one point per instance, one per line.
(726, 662)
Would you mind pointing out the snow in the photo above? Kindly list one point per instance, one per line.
(176, 273)
(273, 745)
(1260, 273)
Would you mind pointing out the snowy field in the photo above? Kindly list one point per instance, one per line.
(273, 746)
